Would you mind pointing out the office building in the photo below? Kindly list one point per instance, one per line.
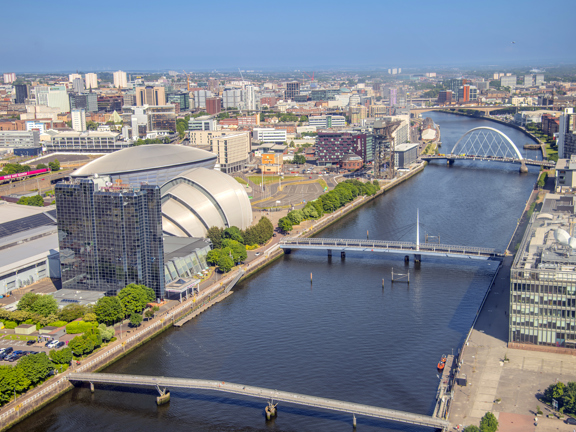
(249, 98)
(57, 97)
(9, 77)
(332, 147)
(85, 101)
(110, 236)
(28, 245)
(78, 120)
(200, 97)
(445, 97)
(150, 96)
(393, 97)
(508, 81)
(89, 142)
(467, 93)
(270, 135)
(292, 90)
(91, 80)
(21, 93)
(405, 154)
(543, 281)
(120, 80)
(324, 94)
(161, 118)
(233, 151)
(566, 134)
(181, 98)
(203, 123)
(36, 125)
(232, 98)
(213, 105)
(566, 174)
(202, 137)
(327, 121)
(78, 85)
(20, 139)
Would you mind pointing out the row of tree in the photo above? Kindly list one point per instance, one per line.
(342, 194)
(232, 252)
(564, 394)
(130, 302)
(255, 235)
(30, 371)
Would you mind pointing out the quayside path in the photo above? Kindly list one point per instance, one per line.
(262, 393)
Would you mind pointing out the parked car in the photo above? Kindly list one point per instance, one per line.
(14, 356)
(6, 351)
(31, 342)
(60, 344)
(257, 253)
(52, 343)
(570, 420)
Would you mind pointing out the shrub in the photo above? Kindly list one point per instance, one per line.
(78, 327)
(57, 324)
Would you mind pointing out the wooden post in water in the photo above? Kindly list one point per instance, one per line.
(310, 277)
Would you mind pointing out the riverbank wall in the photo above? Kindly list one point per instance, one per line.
(56, 386)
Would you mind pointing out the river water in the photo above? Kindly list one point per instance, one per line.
(344, 336)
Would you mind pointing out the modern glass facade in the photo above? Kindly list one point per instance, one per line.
(111, 237)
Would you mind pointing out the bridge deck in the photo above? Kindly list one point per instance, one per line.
(264, 393)
(385, 246)
(533, 162)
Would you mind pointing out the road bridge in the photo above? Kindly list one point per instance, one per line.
(262, 393)
(486, 109)
(386, 246)
(453, 157)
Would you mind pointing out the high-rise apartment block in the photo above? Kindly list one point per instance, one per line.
(292, 90)
(213, 105)
(91, 80)
(120, 80)
(508, 81)
(200, 98)
(9, 77)
(78, 120)
(73, 76)
(78, 85)
(150, 96)
(567, 134)
(86, 101)
(21, 93)
(332, 147)
(110, 236)
(233, 151)
(181, 98)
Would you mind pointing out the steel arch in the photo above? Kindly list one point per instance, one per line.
(503, 135)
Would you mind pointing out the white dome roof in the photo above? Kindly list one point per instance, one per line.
(198, 199)
(142, 158)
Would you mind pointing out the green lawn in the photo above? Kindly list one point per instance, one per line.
(323, 183)
(271, 179)
(19, 337)
(241, 181)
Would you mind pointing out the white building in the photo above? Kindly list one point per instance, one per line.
(233, 151)
(508, 81)
(563, 130)
(200, 98)
(327, 121)
(78, 120)
(250, 98)
(270, 135)
(203, 137)
(232, 98)
(58, 98)
(91, 80)
(120, 80)
(36, 125)
(204, 123)
(9, 77)
(78, 85)
(72, 77)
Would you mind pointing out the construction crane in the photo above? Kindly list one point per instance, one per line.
(311, 77)
(187, 80)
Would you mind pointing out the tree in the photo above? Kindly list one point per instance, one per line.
(45, 305)
(285, 225)
(71, 312)
(27, 301)
(225, 263)
(91, 126)
(36, 367)
(90, 317)
(12, 379)
(109, 310)
(41, 166)
(238, 250)
(471, 428)
(63, 356)
(106, 333)
(133, 298)
(488, 423)
(78, 346)
(213, 257)
(233, 233)
(35, 200)
(54, 166)
(299, 159)
(135, 319)
(215, 235)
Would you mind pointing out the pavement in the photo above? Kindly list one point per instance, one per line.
(517, 382)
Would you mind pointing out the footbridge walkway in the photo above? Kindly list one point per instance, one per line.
(263, 393)
(385, 246)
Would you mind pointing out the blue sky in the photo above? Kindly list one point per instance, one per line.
(203, 35)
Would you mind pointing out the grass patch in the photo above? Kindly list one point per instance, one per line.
(270, 179)
(323, 183)
(241, 181)
(19, 337)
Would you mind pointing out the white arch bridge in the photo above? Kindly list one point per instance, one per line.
(488, 144)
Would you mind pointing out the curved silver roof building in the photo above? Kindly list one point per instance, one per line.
(200, 198)
(152, 163)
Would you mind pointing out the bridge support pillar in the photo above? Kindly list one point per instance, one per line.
(417, 259)
(287, 251)
(406, 259)
(270, 410)
(354, 420)
(330, 252)
(449, 161)
(164, 398)
(92, 387)
(523, 167)
(343, 254)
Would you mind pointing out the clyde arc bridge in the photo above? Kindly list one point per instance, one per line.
(488, 144)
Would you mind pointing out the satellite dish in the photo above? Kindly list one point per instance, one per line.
(562, 237)
(95, 175)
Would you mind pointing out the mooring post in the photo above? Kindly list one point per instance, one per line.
(330, 252)
(354, 420)
(343, 254)
(92, 387)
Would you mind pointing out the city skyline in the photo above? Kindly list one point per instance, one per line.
(253, 36)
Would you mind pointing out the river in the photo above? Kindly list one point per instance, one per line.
(344, 336)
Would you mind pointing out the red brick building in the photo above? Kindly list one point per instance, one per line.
(550, 124)
(213, 105)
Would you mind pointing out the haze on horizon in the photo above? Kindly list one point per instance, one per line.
(178, 34)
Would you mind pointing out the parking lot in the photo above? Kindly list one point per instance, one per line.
(21, 345)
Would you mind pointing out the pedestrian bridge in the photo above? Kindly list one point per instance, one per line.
(263, 393)
(385, 246)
